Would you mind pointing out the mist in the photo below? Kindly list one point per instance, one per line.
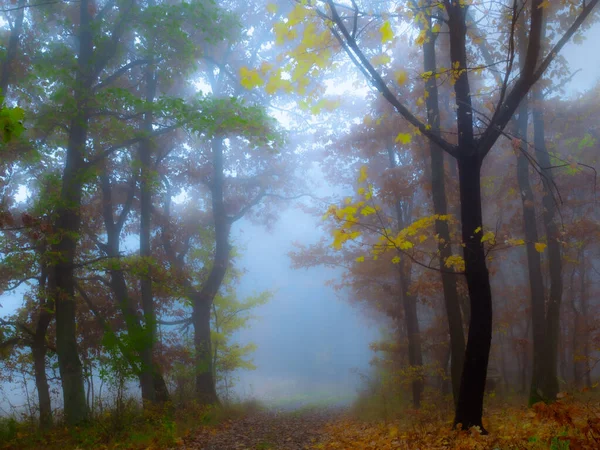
(299, 224)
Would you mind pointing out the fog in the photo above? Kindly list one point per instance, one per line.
(372, 206)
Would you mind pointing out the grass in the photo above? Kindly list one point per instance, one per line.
(131, 428)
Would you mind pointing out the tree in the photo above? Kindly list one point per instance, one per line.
(470, 149)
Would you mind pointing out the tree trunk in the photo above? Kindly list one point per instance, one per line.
(585, 331)
(206, 393)
(415, 355)
(11, 51)
(469, 409)
(38, 351)
(409, 302)
(438, 189)
(153, 384)
(554, 249)
(534, 262)
(61, 286)
(202, 301)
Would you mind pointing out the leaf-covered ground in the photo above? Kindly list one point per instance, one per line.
(564, 425)
(267, 430)
(568, 424)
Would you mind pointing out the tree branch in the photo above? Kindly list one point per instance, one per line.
(381, 86)
(528, 78)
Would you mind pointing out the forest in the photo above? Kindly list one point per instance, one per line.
(386, 211)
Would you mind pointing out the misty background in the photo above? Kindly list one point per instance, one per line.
(312, 344)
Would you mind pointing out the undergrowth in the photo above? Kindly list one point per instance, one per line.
(572, 422)
(129, 428)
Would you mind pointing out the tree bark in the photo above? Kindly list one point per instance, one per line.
(469, 408)
(415, 355)
(39, 347)
(202, 301)
(534, 262)
(585, 325)
(438, 189)
(153, 383)
(38, 350)
(409, 301)
(11, 51)
(62, 283)
(554, 249)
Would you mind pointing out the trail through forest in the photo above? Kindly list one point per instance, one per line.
(271, 429)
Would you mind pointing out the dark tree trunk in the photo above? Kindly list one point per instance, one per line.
(585, 331)
(438, 189)
(206, 393)
(38, 350)
(39, 347)
(554, 250)
(62, 283)
(469, 409)
(415, 355)
(534, 262)
(202, 301)
(61, 286)
(153, 385)
(11, 51)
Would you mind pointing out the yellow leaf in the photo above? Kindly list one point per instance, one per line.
(367, 211)
(386, 32)
(360, 259)
(250, 78)
(403, 138)
(488, 236)
(363, 174)
(395, 259)
(455, 261)
(272, 8)
(436, 28)
(401, 77)
(540, 247)
(421, 38)
(477, 230)
(427, 75)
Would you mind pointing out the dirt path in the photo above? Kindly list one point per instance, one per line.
(266, 431)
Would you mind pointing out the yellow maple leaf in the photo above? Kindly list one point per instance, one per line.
(395, 260)
(540, 247)
(488, 236)
(250, 78)
(455, 261)
(386, 32)
(360, 259)
(403, 138)
(401, 77)
(367, 211)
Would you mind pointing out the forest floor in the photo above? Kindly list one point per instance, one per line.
(569, 424)
(299, 430)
